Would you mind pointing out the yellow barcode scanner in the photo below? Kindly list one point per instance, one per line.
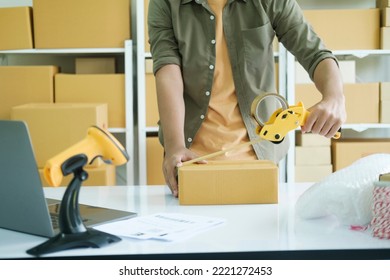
(98, 143)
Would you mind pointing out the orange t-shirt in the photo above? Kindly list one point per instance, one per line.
(223, 126)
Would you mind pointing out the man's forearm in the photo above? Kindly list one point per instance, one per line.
(169, 85)
(328, 81)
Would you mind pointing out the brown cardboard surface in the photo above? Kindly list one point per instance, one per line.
(228, 182)
(385, 17)
(25, 84)
(385, 38)
(95, 65)
(312, 173)
(146, 9)
(154, 158)
(384, 91)
(361, 100)
(336, 27)
(81, 24)
(385, 111)
(311, 139)
(347, 151)
(94, 88)
(55, 127)
(16, 28)
(312, 155)
(103, 175)
(152, 115)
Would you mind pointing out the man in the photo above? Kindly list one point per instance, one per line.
(213, 57)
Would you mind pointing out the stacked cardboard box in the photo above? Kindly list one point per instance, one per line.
(336, 26)
(154, 150)
(95, 65)
(361, 100)
(146, 9)
(384, 6)
(347, 151)
(55, 127)
(154, 158)
(312, 157)
(81, 24)
(25, 84)
(95, 88)
(385, 102)
(66, 24)
(151, 109)
(16, 30)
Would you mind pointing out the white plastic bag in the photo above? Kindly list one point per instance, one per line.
(346, 193)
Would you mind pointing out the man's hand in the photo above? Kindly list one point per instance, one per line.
(171, 163)
(325, 118)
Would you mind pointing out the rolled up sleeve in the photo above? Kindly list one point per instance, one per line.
(297, 35)
(163, 44)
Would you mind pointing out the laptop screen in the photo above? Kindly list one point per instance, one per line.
(22, 202)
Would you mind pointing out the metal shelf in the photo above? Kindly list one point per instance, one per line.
(127, 51)
(66, 51)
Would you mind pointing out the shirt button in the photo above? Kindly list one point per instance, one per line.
(202, 117)
(211, 67)
(207, 93)
(189, 140)
(213, 41)
(212, 17)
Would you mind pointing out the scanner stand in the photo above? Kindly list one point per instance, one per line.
(73, 233)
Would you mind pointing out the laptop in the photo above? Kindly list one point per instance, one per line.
(23, 206)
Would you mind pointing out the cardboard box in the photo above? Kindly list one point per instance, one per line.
(55, 127)
(228, 182)
(385, 38)
(312, 173)
(361, 100)
(146, 31)
(336, 27)
(103, 175)
(81, 24)
(384, 91)
(311, 140)
(16, 28)
(152, 115)
(312, 155)
(385, 111)
(99, 88)
(25, 84)
(95, 65)
(347, 151)
(385, 17)
(347, 69)
(154, 159)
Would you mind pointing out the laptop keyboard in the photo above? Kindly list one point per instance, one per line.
(54, 220)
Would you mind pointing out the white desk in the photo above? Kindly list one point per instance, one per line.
(251, 231)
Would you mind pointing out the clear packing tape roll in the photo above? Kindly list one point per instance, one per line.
(347, 193)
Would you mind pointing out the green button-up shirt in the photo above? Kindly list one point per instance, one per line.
(182, 32)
